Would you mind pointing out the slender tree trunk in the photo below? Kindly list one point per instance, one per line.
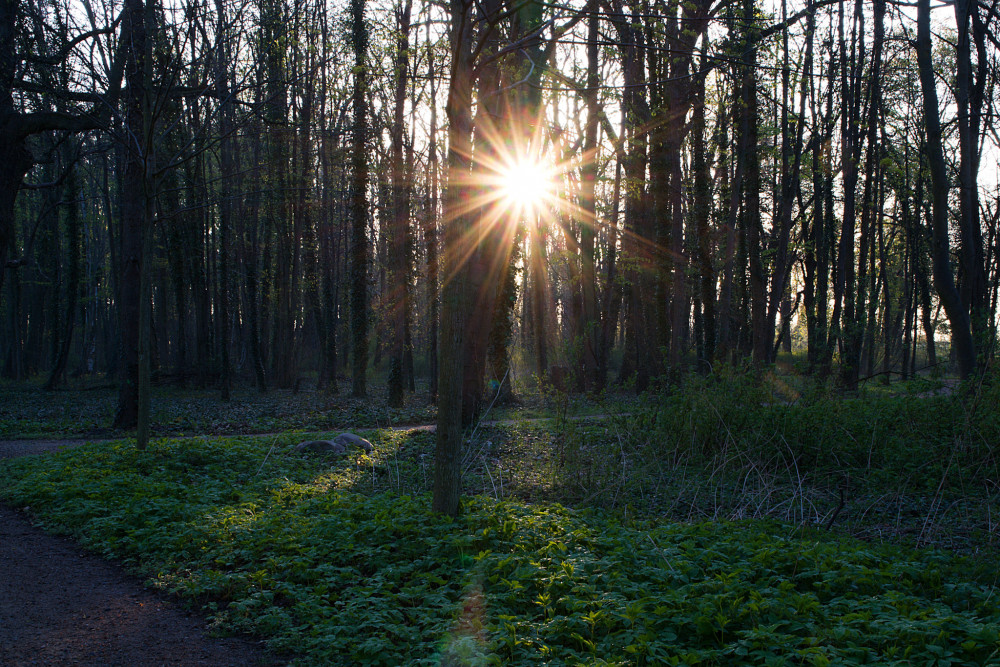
(589, 319)
(73, 238)
(826, 321)
(611, 295)
(791, 162)
(538, 283)
(637, 117)
(226, 164)
(850, 328)
(399, 261)
(359, 203)
(702, 213)
(251, 267)
(729, 197)
(431, 230)
(751, 211)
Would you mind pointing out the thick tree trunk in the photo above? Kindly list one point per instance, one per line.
(490, 244)
(133, 220)
(969, 95)
(454, 293)
(944, 281)
(752, 228)
(15, 159)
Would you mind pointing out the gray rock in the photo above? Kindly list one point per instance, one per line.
(351, 440)
(338, 446)
(329, 447)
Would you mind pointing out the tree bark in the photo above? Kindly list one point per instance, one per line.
(969, 95)
(359, 203)
(702, 205)
(944, 282)
(399, 232)
(226, 164)
(431, 232)
(133, 221)
(454, 293)
(73, 237)
(751, 212)
(589, 318)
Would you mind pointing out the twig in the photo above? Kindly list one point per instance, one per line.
(798, 479)
(836, 512)
(662, 555)
(471, 456)
(266, 457)
(936, 502)
(492, 483)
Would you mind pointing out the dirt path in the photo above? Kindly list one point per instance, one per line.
(62, 606)
(11, 448)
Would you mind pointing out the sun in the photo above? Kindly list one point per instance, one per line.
(526, 184)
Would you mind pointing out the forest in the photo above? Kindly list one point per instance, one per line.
(260, 191)
(594, 277)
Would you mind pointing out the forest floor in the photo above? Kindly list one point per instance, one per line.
(60, 605)
(879, 466)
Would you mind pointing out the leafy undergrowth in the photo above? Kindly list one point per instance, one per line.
(920, 470)
(289, 548)
(29, 412)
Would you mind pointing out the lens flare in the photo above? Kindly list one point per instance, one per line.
(526, 184)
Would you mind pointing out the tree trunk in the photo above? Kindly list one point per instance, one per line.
(944, 282)
(431, 231)
(611, 296)
(791, 163)
(850, 329)
(702, 213)
(359, 203)
(73, 238)
(454, 293)
(399, 261)
(133, 221)
(969, 95)
(760, 337)
(589, 318)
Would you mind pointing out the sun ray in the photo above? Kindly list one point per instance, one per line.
(525, 185)
(514, 178)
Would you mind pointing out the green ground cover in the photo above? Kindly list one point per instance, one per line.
(327, 557)
(711, 523)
